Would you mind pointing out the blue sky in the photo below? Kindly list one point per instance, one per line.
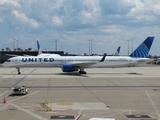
(73, 22)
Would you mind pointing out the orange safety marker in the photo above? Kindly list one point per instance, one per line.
(4, 101)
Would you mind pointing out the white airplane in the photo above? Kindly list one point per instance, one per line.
(158, 61)
(78, 63)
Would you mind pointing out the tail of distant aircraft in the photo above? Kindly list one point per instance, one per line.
(39, 49)
(118, 50)
(143, 50)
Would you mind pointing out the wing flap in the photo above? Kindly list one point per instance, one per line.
(83, 64)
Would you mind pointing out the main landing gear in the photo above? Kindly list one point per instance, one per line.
(18, 70)
(82, 71)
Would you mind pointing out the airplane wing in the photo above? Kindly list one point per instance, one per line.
(12, 55)
(88, 63)
(83, 64)
(24, 55)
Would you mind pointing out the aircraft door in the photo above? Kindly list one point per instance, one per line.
(16, 61)
(130, 62)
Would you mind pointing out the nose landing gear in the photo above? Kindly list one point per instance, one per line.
(18, 70)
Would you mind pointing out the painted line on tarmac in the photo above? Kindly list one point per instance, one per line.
(3, 93)
(115, 113)
(147, 114)
(29, 112)
(33, 70)
(153, 104)
(21, 97)
(18, 81)
(24, 96)
(90, 114)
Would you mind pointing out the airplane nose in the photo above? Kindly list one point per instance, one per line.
(4, 64)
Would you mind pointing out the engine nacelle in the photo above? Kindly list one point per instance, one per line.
(69, 68)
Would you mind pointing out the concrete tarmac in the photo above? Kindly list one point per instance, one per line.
(121, 93)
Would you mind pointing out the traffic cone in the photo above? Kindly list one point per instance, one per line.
(4, 101)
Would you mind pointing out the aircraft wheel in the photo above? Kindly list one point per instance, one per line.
(82, 72)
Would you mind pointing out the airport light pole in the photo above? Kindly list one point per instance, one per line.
(56, 44)
(90, 46)
(128, 46)
(132, 45)
(17, 44)
(13, 43)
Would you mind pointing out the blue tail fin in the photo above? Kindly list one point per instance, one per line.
(38, 46)
(118, 50)
(143, 50)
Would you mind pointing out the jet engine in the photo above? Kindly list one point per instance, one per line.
(69, 68)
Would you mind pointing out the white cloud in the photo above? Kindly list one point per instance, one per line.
(111, 29)
(10, 2)
(57, 4)
(1, 20)
(145, 11)
(25, 20)
(76, 21)
(91, 12)
(57, 21)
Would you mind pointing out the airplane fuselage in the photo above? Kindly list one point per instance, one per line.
(78, 63)
(58, 61)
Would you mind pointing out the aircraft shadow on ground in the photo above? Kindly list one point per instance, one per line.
(63, 74)
(77, 74)
(72, 74)
(13, 95)
(134, 73)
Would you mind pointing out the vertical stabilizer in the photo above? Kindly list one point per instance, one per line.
(143, 50)
(39, 49)
(118, 50)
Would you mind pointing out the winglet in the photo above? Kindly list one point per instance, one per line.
(143, 50)
(38, 46)
(118, 50)
(103, 58)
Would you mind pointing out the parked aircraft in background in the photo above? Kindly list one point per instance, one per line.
(44, 54)
(78, 63)
(118, 51)
(156, 61)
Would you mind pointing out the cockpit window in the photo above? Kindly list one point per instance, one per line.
(8, 60)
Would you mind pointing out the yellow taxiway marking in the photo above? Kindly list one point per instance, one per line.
(65, 103)
(45, 106)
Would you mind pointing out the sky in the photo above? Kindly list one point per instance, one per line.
(72, 23)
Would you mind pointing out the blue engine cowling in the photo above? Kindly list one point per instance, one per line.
(69, 68)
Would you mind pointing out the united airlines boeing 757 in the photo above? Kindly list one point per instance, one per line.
(78, 63)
